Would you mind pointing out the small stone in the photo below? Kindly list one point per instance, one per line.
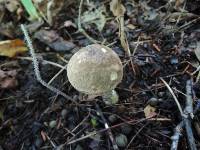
(112, 118)
(121, 140)
(38, 142)
(64, 113)
(174, 60)
(52, 124)
(153, 101)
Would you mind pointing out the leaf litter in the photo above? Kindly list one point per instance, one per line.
(159, 39)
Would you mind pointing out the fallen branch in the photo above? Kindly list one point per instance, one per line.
(186, 121)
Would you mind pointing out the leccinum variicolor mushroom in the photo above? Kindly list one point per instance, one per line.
(96, 70)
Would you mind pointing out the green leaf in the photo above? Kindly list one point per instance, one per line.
(94, 122)
(31, 10)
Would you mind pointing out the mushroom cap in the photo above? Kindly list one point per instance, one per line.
(95, 69)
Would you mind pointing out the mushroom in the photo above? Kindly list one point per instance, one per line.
(96, 70)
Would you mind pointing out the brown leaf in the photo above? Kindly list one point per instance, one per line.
(11, 48)
(8, 79)
(117, 8)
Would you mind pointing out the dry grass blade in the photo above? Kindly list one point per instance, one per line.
(174, 96)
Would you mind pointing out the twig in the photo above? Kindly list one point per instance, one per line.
(137, 44)
(174, 96)
(189, 132)
(99, 112)
(179, 128)
(136, 135)
(57, 74)
(189, 112)
(133, 122)
(189, 102)
(44, 62)
(124, 41)
(52, 143)
(36, 66)
(186, 121)
(176, 136)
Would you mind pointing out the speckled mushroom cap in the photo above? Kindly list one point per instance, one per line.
(95, 69)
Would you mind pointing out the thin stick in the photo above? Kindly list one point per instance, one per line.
(36, 65)
(57, 74)
(99, 112)
(174, 96)
(44, 62)
(136, 135)
(134, 122)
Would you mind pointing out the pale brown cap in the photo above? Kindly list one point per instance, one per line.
(95, 69)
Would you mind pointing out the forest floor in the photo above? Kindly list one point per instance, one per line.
(158, 42)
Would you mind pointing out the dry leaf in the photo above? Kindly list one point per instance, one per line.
(149, 111)
(95, 16)
(53, 40)
(8, 79)
(11, 48)
(12, 5)
(117, 8)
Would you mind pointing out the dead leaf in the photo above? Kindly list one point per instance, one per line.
(11, 48)
(12, 5)
(95, 16)
(53, 40)
(149, 111)
(8, 79)
(117, 8)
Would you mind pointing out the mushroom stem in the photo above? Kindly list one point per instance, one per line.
(110, 97)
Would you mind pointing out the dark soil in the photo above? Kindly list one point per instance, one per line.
(36, 118)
